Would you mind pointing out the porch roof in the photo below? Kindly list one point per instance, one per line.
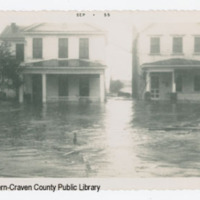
(174, 63)
(63, 63)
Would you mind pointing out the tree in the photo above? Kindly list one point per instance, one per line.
(115, 86)
(9, 68)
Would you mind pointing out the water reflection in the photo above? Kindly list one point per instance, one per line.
(121, 138)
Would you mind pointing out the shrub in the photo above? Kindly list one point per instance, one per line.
(116, 86)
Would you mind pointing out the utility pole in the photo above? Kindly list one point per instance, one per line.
(135, 74)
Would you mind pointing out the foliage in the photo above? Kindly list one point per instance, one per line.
(115, 86)
(9, 68)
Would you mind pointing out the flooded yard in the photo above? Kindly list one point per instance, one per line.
(121, 138)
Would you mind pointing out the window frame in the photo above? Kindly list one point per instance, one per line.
(63, 48)
(35, 51)
(153, 45)
(174, 51)
(83, 54)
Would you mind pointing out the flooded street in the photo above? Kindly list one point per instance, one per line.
(121, 138)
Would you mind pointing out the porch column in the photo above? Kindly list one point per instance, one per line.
(148, 85)
(44, 93)
(21, 91)
(102, 88)
(173, 82)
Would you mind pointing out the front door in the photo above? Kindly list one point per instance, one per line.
(84, 89)
(37, 88)
(63, 85)
(155, 87)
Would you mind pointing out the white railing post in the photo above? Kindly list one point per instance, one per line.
(21, 91)
(173, 82)
(148, 85)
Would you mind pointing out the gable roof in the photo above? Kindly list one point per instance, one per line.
(14, 32)
(52, 28)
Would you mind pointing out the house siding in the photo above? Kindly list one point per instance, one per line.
(50, 47)
(166, 33)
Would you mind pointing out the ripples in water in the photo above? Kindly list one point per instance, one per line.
(116, 139)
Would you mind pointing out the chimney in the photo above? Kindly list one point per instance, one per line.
(13, 27)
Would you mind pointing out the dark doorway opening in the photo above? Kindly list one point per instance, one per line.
(37, 88)
(84, 85)
(63, 85)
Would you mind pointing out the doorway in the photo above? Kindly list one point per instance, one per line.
(37, 88)
(155, 87)
(84, 85)
(63, 85)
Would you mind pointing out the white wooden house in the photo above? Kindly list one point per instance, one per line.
(60, 61)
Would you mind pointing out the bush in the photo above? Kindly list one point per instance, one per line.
(9, 69)
(116, 86)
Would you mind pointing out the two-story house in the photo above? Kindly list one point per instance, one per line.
(60, 61)
(169, 61)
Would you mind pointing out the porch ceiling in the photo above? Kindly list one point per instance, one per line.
(175, 63)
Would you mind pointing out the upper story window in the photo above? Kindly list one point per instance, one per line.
(177, 45)
(84, 48)
(197, 44)
(155, 45)
(63, 48)
(37, 47)
(20, 52)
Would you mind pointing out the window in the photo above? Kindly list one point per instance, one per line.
(179, 83)
(197, 83)
(84, 48)
(155, 45)
(63, 48)
(197, 45)
(37, 47)
(20, 52)
(177, 45)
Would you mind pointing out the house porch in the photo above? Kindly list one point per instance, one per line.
(177, 77)
(70, 79)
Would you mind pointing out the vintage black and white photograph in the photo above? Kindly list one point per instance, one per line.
(99, 94)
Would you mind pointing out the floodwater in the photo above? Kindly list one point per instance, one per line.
(121, 138)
